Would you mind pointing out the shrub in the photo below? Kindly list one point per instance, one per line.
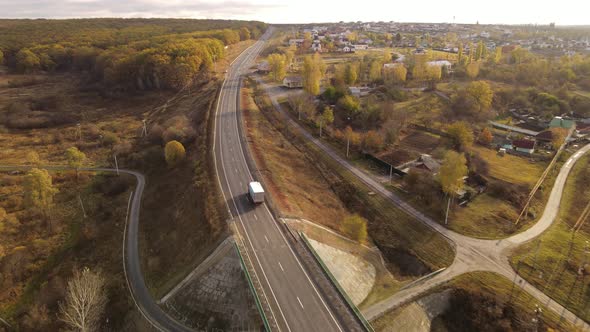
(174, 153)
(355, 227)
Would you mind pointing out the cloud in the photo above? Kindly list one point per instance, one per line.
(130, 8)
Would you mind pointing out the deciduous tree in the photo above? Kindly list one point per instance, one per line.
(313, 71)
(350, 73)
(375, 70)
(27, 61)
(482, 94)
(355, 227)
(485, 137)
(39, 191)
(350, 104)
(75, 158)
(397, 74)
(452, 172)
(472, 70)
(461, 135)
(278, 66)
(33, 158)
(85, 301)
(558, 136)
(174, 153)
(372, 141)
(244, 33)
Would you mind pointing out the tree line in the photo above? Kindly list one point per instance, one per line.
(157, 54)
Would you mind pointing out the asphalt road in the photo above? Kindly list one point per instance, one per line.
(294, 300)
(132, 263)
(471, 254)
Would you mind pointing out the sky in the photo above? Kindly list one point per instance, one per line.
(562, 12)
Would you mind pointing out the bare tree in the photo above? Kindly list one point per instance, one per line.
(85, 301)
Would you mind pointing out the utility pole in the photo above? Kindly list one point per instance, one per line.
(82, 205)
(116, 165)
(390, 172)
(514, 281)
(79, 130)
(144, 129)
(347, 144)
(537, 317)
(447, 213)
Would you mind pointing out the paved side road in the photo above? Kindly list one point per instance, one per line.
(139, 291)
(471, 254)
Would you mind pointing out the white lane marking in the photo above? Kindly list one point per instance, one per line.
(241, 152)
(218, 114)
(267, 241)
(241, 184)
(256, 217)
(301, 304)
(236, 169)
(281, 267)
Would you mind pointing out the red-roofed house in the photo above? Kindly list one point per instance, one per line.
(524, 146)
(583, 128)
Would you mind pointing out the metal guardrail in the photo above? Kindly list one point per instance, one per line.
(317, 257)
(253, 289)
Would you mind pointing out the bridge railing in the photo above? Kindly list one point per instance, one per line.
(351, 304)
(259, 304)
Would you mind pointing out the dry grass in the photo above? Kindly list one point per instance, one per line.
(497, 292)
(298, 189)
(47, 255)
(509, 168)
(484, 217)
(559, 254)
(410, 248)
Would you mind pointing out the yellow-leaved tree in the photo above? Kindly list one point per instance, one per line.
(174, 153)
(39, 191)
(355, 227)
(452, 172)
(278, 66)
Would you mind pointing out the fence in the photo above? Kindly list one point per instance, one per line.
(357, 312)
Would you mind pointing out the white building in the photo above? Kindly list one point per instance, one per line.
(360, 47)
(441, 63)
(297, 42)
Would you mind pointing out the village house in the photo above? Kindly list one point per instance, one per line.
(316, 46)
(297, 42)
(441, 63)
(293, 82)
(525, 146)
(347, 49)
(263, 67)
(360, 46)
(359, 91)
(425, 162)
(559, 122)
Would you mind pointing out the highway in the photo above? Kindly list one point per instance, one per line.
(294, 300)
(471, 254)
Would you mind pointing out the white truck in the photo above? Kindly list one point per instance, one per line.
(255, 192)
